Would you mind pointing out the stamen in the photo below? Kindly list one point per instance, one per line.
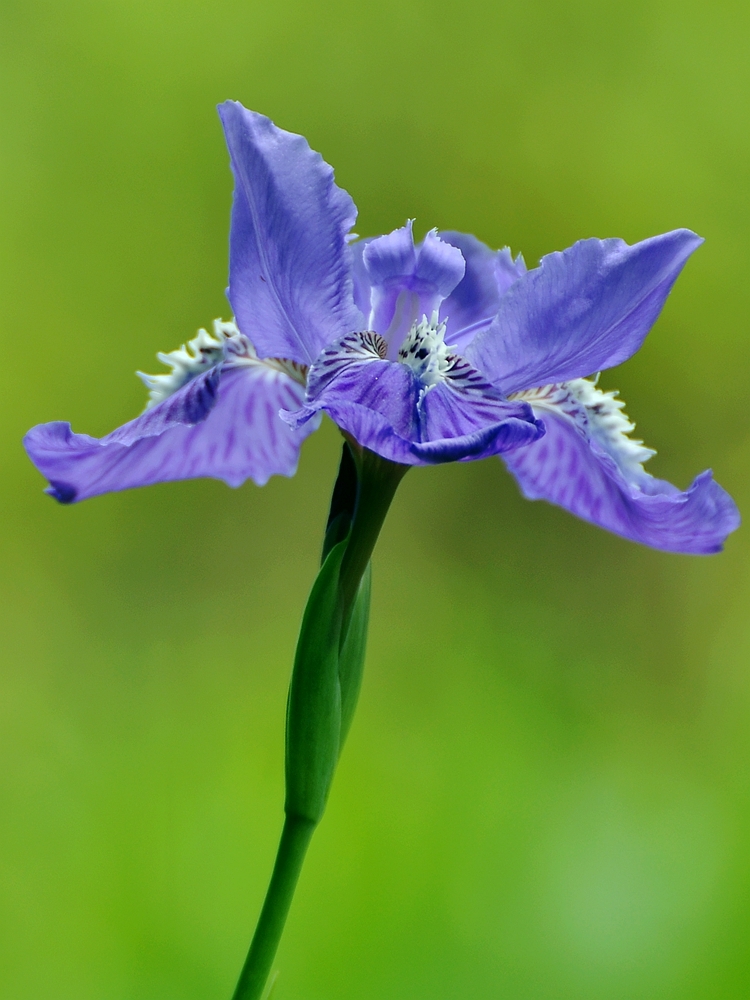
(424, 351)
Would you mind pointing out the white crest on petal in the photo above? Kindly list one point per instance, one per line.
(424, 351)
(598, 416)
(227, 346)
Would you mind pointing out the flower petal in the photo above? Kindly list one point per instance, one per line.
(466, 418)
(474, 302)
(582, 466)
(391, 257)
(241, 437)
(408, 282)
(360, 277)
(440, 266)
(289, 264)
(386, 408)
(582, 310)
(352, 377)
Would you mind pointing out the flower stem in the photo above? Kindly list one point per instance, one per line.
(378, 482)
(325, 684)
(295, 838)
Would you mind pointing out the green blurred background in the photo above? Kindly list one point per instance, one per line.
(546, 792)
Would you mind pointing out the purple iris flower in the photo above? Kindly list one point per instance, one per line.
(423, 353)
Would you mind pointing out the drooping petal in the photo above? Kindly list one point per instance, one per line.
(191, 404)
(408, 282)
(386, 408)
(356, 386)
(586, 464)
(241, 437)
(474, 302)
(582, 310)
(289, 264)
(465, 418)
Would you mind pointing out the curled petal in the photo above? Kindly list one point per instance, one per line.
(241, 437)
(391, 257)
(439, 267)
(474, 302)
(408, 282)
(289, 263)
(582, 464)
(582, 310)
(189, 405)
(386, 408)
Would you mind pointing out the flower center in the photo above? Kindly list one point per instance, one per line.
(424, 351)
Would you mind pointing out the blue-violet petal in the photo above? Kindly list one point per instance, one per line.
(289, 263)
(582, 310)
(408, 281)
(241, 437)
(587, 464)
(385, 407)
(474, 302)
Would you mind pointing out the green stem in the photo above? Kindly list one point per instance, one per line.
(359, 506)
(378, 482)
(295, 839)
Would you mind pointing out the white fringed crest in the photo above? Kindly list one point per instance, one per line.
(598, 416)
(227, 346)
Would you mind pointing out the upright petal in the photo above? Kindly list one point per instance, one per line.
(289, 264)
(241, 437)
(439, 267)
(385, 407)
(587, 464)
(582, 310)
(360, 277)
(391, 257)
(474, 302)
(408, 281)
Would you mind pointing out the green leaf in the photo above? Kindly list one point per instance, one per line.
(352, 655)
(331, 649)
(314, 708)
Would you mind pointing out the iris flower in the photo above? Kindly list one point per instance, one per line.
(422, 353)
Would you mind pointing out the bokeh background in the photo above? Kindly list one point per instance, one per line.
(546, 791)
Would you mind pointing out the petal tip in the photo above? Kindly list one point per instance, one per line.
(64, 493)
